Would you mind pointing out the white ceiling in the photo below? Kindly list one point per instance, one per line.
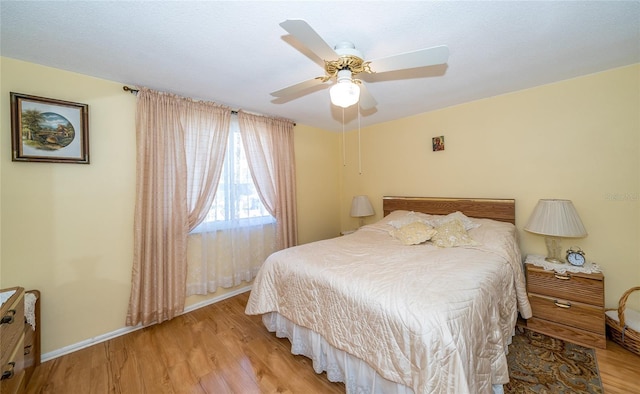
(235, 53)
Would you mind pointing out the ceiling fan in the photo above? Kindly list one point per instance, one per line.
(344, 62)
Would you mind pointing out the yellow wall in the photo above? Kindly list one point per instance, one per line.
(578, 139)
(67, 228)
(317, 181)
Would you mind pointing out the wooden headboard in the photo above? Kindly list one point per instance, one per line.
(503, 210)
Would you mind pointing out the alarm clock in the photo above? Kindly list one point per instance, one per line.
(575, 256)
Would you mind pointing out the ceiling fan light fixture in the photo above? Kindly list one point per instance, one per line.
(345, 92)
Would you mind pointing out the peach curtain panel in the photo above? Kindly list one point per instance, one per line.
(268, 143)
(171, 135)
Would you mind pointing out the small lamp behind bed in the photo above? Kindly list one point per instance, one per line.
(361, 208)
(555, 219)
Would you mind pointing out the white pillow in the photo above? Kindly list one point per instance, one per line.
(406, 218)
(413, 233)
(466, 221)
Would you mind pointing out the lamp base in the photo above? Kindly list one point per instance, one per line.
(553, 250)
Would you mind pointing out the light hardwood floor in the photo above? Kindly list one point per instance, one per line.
(219, 349)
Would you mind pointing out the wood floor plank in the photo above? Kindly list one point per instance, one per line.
(100, 379)
(619, 369)
(126, 372)
(264, 372)
(214, 382)
(219, 349)
(183, 380)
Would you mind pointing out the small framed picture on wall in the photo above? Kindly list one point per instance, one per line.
(438, 143)
(49, 130)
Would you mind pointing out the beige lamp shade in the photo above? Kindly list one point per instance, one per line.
(361, 207)
(556, 218)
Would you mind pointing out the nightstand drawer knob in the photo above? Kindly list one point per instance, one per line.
(9, 373)
(8, 318)
(561, 304)
(562, 277)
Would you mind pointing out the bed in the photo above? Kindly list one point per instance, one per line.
(384, 313)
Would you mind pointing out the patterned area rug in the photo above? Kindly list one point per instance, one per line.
(541, 364)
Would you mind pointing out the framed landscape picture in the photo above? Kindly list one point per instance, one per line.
(49, 130)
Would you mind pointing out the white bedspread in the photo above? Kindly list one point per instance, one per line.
(436, 320)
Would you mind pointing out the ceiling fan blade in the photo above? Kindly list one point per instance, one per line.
(304, 33)
(420, 58)
(366, 99)
(297, 88)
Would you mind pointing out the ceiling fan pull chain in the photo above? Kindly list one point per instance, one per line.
(359, 151)
(344, 154)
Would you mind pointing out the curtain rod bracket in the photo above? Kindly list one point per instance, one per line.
(130, 90)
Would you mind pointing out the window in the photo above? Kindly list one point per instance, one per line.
(237, 203)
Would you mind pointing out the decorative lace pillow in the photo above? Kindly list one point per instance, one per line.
(413, 233)
(451, 234)
(466, 221)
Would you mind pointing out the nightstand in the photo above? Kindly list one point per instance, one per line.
(568, 306)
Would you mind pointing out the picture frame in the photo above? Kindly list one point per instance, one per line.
(49, 130)
(437, 143)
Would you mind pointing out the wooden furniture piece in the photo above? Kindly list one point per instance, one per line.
(19, 342)
(12, 345)
(484, 208)
(568, 306)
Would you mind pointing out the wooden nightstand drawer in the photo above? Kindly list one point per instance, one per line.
(575, 335)
(19, 342)
(12, 314)
(13, 368)
(572, 313)
(587, 288)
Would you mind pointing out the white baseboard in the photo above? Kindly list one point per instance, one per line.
(126, 330)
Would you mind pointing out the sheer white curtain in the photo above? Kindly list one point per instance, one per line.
(237, 235)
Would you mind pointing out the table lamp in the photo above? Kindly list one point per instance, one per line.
(361, 208)
(555, 219)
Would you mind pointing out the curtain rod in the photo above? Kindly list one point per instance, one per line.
(135, 91)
